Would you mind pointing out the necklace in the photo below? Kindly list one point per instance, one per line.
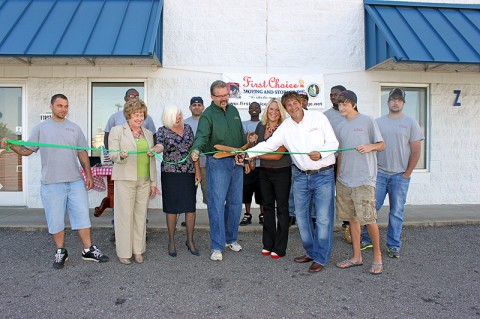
(138, 134)
(271, 129)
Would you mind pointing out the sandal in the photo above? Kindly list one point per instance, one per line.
(347, 263)
(377, 269)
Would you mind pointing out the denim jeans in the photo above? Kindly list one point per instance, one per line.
(59, 198)
(321, 189)
(396, 186)
(224, 197)
(291, 201)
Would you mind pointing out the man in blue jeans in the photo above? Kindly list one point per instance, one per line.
(313, 179)
(403, 137)
(221, 124)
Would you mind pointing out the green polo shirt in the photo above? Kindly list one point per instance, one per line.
(217, 126)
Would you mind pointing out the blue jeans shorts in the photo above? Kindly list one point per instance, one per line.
(58, 198)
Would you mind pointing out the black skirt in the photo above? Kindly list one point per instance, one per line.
(178, 193)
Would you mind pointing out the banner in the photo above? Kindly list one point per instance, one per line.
(246, 88)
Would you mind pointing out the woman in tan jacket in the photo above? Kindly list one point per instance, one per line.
(135, 179)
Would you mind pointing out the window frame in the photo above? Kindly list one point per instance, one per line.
(390, 85)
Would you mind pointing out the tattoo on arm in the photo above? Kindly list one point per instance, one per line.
(22, 150)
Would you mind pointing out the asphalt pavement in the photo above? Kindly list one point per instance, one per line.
(437, 275)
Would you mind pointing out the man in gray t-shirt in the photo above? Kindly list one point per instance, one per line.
(357, 170)
(62, 186)
(335, 118)
(333, 114)
(118, 118)
(403, 138)
(251, 183)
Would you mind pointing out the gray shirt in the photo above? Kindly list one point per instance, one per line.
(335, 119)
(59, 165)
(118, 118)
(194, 124)
(398, 133)
(250, 127)
(358, 169)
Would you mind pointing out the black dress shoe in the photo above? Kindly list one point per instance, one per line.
(315, 267)
(260, 219)
(302, 259)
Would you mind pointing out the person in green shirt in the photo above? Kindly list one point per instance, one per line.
(221, 124)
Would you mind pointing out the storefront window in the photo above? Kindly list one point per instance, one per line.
(415, 107)
(108, 98)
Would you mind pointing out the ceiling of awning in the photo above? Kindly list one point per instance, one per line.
(422, 36)
(81, 32)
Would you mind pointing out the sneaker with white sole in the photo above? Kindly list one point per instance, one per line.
(235, 246)
(94, 254)
(393, 252)
(60, 258)
(365, 246)
(216, 255)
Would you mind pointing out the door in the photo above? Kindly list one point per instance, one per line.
(11, 164)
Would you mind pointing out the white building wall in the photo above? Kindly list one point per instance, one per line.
(203, 39)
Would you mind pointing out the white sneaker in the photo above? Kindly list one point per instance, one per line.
(216, 255)
(234, 246)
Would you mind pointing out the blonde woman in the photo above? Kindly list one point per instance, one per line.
(275, 178)
(179, 180)
(135, 179)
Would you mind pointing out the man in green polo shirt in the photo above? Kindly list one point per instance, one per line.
(221, 124)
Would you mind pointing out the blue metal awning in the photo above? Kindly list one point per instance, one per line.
(81, 28)
(421, 33)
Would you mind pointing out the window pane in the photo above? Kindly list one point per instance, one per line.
(108, 98)
(11, 128)
(415, 107)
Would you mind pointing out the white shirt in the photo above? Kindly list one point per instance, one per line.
(313, 133)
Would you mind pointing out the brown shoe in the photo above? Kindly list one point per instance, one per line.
(315, 267)
(302, 259)
(138, 258)
(346, 234)
(125, 261)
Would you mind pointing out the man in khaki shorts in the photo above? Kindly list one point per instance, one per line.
(357, 177)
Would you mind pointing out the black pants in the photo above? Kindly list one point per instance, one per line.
(275, 187)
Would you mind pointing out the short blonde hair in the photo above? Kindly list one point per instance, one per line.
(169, 116)
(283, 113)
(134, 106)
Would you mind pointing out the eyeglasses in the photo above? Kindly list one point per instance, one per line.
(133, 96)
(221, 96)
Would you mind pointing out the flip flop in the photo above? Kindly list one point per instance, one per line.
(347, 264)
(376, 267)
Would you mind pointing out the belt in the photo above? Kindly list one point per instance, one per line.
(315, 171)
(275, 169)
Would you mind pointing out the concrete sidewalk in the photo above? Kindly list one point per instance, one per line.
(415, 216)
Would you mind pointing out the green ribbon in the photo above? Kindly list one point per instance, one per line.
(158, 156)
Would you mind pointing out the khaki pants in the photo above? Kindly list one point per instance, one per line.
(130, 218)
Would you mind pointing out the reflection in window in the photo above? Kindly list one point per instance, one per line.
(108, 98)
(415, 107)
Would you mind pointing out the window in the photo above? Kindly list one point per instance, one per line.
(108, 98)
(415, 107)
